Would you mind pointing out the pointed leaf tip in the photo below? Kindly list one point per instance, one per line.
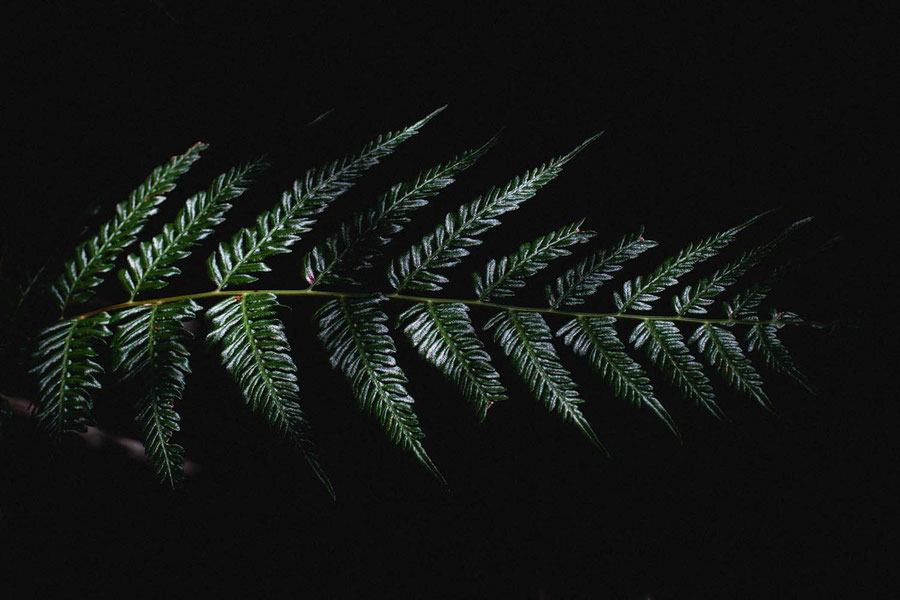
(595, 441)
(323, 478)
(320, 118)
(432, 468)
(581, 147)
(431, 115)
(755, 219)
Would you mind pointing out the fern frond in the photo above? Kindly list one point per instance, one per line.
(149, 345)
(279, 228)
(596, 339)
(153, 263)
(723, 351)
(97, 255)
(447, 244)
(526, 340)
(763, 338)
(664, 343)
(744, 305)
(443, 334)
(665, 346)
(502, 277)
(582, 280)
(68, 371)
(355, 334)
(256, 352)
(358, 241)
(637, 294)
(693, 300)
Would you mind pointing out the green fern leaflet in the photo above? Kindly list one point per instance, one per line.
(149, 344)
(97, 255)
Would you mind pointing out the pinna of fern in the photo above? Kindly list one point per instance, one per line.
(148, 338)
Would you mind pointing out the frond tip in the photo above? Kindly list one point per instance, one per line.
(763, 338)
(639, 293)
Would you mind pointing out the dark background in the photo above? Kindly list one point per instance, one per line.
(709, 119)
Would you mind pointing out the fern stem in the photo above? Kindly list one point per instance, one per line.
(427, 299)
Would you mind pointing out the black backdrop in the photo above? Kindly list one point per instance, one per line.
(708, 118)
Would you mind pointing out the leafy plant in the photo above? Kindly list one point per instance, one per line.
(147, 336)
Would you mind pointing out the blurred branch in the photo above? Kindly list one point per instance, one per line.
(95, 437)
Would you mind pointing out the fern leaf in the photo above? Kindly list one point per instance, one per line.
(354, 332)
(443, 334)
(693, 300)
(68, 371)
(447, 244)
(256, 352)
(743, 306)
(665, 346)
(149, 345)
(638, 293)
(358, 241)
(582, 280)
(149, 268)
(763, 339)
(277, 229)
(596, 339)
(97, 255)
(723, 351)
(502, 277)
(526, 340)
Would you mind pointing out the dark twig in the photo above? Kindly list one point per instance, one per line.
(95, 437)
